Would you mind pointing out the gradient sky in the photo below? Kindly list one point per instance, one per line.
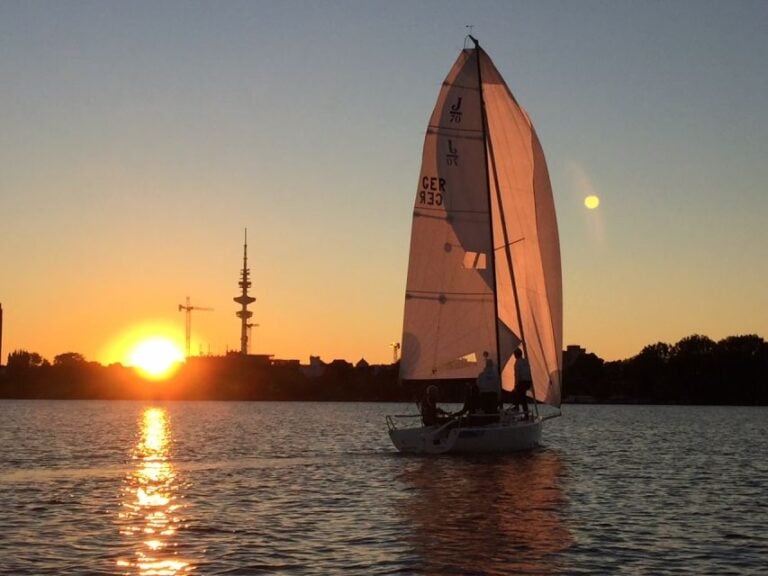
(139, 139)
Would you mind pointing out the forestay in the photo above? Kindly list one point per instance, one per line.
(484, 239)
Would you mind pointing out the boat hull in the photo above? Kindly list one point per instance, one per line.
(496, 438)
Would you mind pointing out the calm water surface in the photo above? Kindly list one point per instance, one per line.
(316, 488)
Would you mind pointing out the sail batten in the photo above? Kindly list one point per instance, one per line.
(484, 268)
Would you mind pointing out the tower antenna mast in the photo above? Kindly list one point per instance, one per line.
(244, 299)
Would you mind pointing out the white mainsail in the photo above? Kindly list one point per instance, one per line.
(484, 270)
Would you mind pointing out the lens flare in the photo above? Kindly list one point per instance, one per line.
(592, 202)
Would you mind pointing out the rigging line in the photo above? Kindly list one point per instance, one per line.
(486, 151)
(508, 244)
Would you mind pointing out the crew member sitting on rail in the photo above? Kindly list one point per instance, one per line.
(471, 399)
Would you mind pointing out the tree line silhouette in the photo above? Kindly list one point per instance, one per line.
(232, 377)
(695, 370)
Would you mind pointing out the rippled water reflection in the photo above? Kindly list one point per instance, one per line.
(151, 503)
(302, 488)
(487, 515)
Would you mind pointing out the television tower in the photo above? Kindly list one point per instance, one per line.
(244, 299)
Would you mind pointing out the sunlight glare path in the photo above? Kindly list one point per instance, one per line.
(150, 502)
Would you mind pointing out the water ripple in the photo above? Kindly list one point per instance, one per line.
(271, 488)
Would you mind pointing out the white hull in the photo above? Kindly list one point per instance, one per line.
(505, 436)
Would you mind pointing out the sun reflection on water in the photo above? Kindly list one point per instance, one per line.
(150, 517)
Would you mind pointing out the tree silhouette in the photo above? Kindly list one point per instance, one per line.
(20, 360)
(69, 359)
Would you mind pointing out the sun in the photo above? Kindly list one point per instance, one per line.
(155, 357)
(592, 202)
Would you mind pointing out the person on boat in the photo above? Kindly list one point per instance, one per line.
(466, 416)
(523, 381)
(431, 414)
(489, 387)
(471, 399)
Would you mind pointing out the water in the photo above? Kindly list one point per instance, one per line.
(312, 488)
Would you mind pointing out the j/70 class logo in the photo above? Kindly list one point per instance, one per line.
(455, 112)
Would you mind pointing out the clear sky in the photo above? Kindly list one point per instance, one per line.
(138, 140)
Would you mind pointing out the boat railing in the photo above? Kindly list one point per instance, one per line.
(391, 423)
(478, 419)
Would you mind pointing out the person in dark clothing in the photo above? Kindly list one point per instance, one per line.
(474, 413)
(430, 413)
(523, 381)
(471, 399)
(489, 386)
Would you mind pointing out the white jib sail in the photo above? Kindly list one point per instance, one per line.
(457, 306)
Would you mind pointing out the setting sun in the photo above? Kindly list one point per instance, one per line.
(592, 202)
(154, 348)
(155, 357)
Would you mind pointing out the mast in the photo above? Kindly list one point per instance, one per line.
(489, 157)
(488, 191)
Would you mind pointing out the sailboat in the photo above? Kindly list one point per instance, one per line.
(484, 276)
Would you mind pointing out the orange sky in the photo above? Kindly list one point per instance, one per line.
(139, 141)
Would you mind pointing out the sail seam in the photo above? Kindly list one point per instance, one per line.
(437, 129)
(482, 212)
(430, 292)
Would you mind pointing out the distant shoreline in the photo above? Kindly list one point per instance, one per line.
(299, 400)
(693, 372)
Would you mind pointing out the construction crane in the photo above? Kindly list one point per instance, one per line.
(395, 349)
(188, 308)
